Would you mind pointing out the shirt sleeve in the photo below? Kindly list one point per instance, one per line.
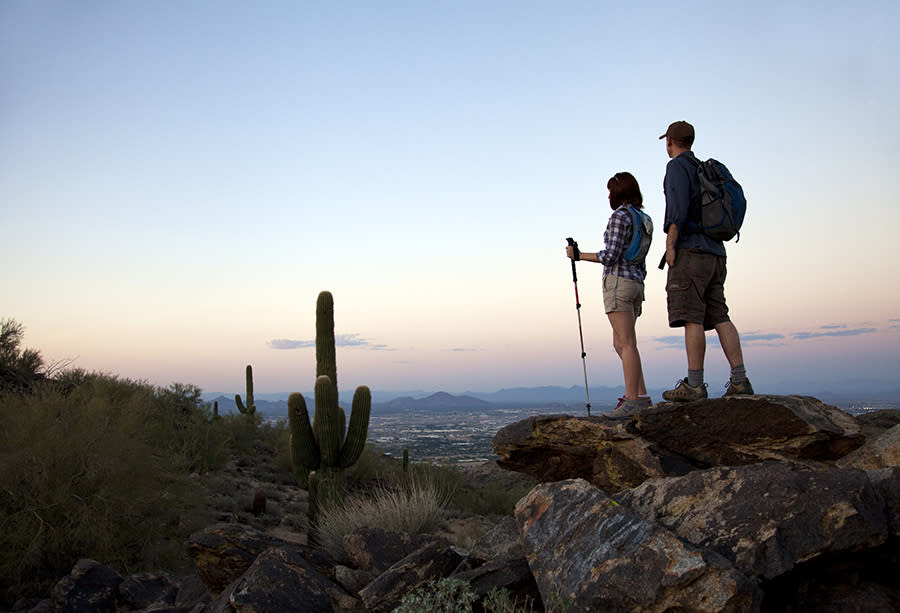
(614, 237)
(677, 189)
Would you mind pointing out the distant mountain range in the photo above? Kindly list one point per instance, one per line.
(552, 397)
(441, 401)
(548, 396)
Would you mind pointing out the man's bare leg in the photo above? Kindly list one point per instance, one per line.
(695, 344)
(731, 343)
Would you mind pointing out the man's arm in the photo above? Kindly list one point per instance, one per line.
(677, 188)
(671, 239)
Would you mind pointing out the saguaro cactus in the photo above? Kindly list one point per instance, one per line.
(250, 409)
(329, 444)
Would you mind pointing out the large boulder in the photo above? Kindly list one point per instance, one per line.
(221, 553)
(434, 560)
(766, 517)
(672, 439)
(879, 451)
(375, 550)
(887, 483)
(282, 580)
(747, 429)
(90, 587)
(597, 449)
(589, 553)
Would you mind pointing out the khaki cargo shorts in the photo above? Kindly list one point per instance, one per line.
(695, 289)
(621, 294)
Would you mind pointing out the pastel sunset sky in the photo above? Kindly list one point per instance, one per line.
(180, 181)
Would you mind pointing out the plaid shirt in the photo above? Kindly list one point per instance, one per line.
(618, 235)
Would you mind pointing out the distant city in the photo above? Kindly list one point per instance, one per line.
(449, 429)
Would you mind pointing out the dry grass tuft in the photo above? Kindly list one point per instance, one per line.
(414, 505)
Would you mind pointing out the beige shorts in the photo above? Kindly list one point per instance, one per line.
(621, 294)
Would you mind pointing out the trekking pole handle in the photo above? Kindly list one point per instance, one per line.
(577, 253)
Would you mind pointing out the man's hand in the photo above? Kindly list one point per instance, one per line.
(670, 256)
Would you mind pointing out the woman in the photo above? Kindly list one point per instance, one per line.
(623, 286)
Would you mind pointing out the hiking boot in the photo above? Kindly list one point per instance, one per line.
(738, 389)
(629, 408)
(684, 392)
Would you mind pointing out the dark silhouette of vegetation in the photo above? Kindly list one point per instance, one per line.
(93, 465)
(20, 368)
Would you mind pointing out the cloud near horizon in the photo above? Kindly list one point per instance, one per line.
(832, 331)
(751, 338)
(340, 340)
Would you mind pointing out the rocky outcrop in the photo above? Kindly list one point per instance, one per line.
(673, 439)
(766, 518)
(222, 553)
(93, 587)
(589, 553)
(434, 560)
(721, 494)
(760, 503)
(882, 452)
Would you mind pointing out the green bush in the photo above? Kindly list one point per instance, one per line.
(99, 468)
(438, 596)
(500, 600)
(488, 499)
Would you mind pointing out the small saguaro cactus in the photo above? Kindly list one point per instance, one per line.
(329, 443)
(250, 409)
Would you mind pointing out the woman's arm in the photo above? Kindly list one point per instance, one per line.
(584, 256)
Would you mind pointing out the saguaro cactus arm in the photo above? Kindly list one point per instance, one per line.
(358, 428)
(251, 405)
(305, 454)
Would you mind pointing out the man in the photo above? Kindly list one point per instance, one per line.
(695, 287)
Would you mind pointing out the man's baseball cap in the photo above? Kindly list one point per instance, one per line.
(679, 130)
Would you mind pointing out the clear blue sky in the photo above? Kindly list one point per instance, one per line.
(180, 180)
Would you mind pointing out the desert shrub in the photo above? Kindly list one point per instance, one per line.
(280, 437)
(374, 465)
(99, 470)
(488, 498)
(500, 600)
(413, 505)
(19, 368)
(438, 596)
(478, 498)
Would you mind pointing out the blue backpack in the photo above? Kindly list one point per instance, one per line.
(722, 201)
(641, 235)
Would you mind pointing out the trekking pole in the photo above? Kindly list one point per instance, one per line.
(587, 394)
